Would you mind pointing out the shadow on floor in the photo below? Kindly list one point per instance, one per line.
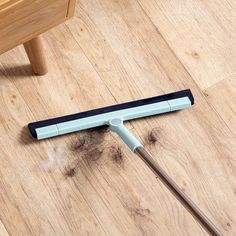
(16, 71)
(25, 137)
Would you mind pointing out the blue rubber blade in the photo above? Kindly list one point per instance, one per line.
(99, 117)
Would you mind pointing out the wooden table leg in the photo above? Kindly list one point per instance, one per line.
(35, 52)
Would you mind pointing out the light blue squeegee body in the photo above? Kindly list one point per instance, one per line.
(103, 119)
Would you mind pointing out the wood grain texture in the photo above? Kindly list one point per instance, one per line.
(23, 20)
(201, 34)
(222, 96)
(71, 8)
(35, 52)
(3, 231)
(89, 183)
(4, 4)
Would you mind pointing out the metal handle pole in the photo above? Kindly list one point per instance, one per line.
(184, 199)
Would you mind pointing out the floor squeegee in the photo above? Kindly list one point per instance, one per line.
(114, 117)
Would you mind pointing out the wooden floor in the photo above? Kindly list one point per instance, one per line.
(89, 183)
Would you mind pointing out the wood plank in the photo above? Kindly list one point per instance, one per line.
(35, 203)
(222, 96)
(197, 35)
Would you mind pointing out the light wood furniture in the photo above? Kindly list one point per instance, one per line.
(21, 21)
(112, 52)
